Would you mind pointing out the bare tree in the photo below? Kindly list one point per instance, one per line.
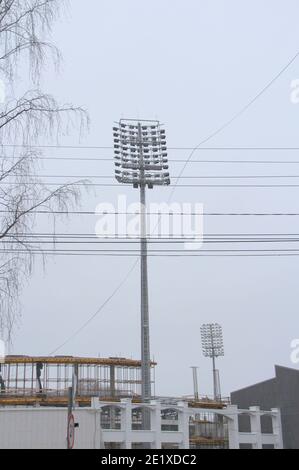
(24, 25)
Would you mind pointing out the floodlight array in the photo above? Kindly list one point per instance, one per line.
(140, 153)
(212, 340)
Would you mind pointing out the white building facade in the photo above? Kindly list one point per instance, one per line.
(46, 428)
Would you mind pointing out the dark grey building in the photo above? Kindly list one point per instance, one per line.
(280, 392)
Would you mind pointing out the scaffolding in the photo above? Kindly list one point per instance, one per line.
(208, 430)
(28, 380)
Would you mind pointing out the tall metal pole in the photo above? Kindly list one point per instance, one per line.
(214, 365)
(141, 160)
(215, 379)
(145, 335)
(195, 383)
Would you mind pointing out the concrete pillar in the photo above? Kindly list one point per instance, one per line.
(256, 429)
(112, 395)
(156, 424)
(233, 426)
(126, 422)
(183, 422)
(95, 403)
(98, 441)
(277, 428)
(96, 409)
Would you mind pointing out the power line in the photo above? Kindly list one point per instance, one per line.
(174, 160)
(183, 177)
(151, 242)
(251, 214)
(123, 237)
(112, 185)
(183, 253)
(119, 286)
(156, 251)
(226, 124)
(206, 214)
(57, 146)
(239, 113)
(181, 148)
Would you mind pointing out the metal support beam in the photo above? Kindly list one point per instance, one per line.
(145, 330)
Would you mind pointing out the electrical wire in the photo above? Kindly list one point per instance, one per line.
(157, 253)
(219, 130)
(181, 148)
(155, 242)
(113, 185)
(122, 236)
(98, 311)
(206, 214)
(183, 177)
(174, 160)
(239, 113)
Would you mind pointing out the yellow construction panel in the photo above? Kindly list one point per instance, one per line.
(53, 401)
(122, 362)
(206, 441)
(207, 404)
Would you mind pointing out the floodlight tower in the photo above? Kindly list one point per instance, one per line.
(212, 346)
(141, 160)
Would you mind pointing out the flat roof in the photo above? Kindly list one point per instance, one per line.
(68, 360)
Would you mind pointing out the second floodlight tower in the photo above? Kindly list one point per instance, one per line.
(212, 346)
(141, 160)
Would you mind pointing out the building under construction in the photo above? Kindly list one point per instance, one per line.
(35, 390)
(46, 381)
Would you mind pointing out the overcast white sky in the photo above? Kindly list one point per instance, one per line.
(192, 64)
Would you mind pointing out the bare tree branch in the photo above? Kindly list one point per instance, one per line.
(23, 23)
(25, 26)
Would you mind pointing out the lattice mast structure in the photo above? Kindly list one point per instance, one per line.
(141, 160)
